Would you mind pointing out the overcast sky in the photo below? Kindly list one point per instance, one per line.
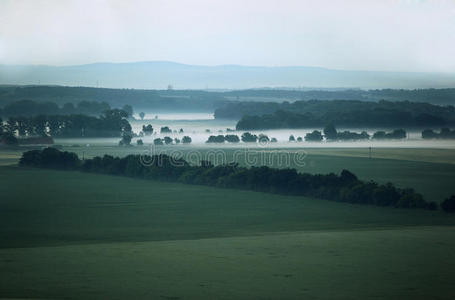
(394, 35)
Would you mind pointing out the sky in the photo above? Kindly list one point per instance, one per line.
(384, 35)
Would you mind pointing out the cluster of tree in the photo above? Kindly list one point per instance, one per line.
(394, 135)
(165, 129)
(445, 133)
(168, 140)
(139, 99)
(193, 100)
(360, 118)
(147, 129)
(216, 139)
(113, 123)
(314, 136)
(448, 204)
(304, 114)
(246, 137)
(345, 187)
(331, 134)
(31, 108)
(293, 139)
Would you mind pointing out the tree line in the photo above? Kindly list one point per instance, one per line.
(138, 98)
(444, 133)
(345, 187)
(329, 132)
(356, 118)
(29, 108)
(246, 137)
(112, 123)
(328, 111)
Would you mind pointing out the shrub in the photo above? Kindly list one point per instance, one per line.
(448, 205)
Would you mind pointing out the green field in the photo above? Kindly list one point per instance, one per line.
(429, 171)
(413, 263)
(75, 235)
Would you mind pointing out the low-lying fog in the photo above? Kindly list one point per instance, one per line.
(199, 126)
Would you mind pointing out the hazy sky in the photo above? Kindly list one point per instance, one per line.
(397, 35)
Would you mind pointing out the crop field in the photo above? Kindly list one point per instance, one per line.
(76, 235)
(431, 172)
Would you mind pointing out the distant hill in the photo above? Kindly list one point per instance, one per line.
(160, 74)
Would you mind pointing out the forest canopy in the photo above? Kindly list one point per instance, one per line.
(307, 114)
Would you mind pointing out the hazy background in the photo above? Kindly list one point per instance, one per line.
(387, 35)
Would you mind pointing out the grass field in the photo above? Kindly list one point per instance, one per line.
(413, 263)
(75, 235)
(429, 171)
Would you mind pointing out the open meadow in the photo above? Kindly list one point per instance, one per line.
(431, 172)
(79, 235)
(76, 235)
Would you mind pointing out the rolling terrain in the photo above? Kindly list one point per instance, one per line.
(75, 235)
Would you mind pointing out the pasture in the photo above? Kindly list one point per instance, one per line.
(75, 235)
(431, 172)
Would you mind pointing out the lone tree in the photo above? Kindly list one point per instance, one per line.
(165, 129)
(330, 132)
(315, 136)
(186, 140)
(147, 130)
(158, 142)
(142, 115)
(291, 138)
(216, 139)
(126, 139)
(249, 138)
(448, 205)
(263, 139)
(232, 138)
(168, 140)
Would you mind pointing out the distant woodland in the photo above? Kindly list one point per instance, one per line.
(198, 100)
(307, 114)
(270, 109)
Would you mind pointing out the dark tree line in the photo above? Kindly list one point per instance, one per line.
(139, 99)
(168, 140)
(331, 134)
(367, 118)
(307, 114)
(185, 100)
(394, 135)
(113, 123)
(247, 137)
(31, 108)
(448, 204)
(444, 133)
(345, 187)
